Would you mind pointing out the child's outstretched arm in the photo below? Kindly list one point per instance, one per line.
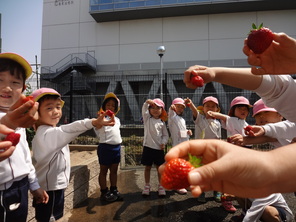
(237, 77)
(191, 105)
(242, 172)
(278, 58)
(240, 140)
(217, 115)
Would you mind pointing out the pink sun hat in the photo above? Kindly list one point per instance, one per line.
(178, 101)
(240, 100)
(210, 99)
(39, 93)
(259, 106)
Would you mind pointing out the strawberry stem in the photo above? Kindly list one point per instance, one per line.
(195, 161)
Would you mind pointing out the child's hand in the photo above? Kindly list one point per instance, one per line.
(40, 196)
(204, 72)
(236, 139)
(189, 132)
(149, 101)
(211, 114)
(188, 102)
(21, 114)
(173, 107)
(256, 131)
(162, 146)
(102, 121)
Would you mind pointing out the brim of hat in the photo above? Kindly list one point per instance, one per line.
(264, 110)
(48, 93)
(15, 57)
(243, 104)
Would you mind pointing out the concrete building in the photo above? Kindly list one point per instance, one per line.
(91, 47)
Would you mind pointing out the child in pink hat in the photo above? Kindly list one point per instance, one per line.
(177, 126)
(155, 138)
(51, 152)
(206, 127)
(234, 123)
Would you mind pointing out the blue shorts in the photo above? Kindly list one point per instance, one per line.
(282, 213)
(15, 201)
(108, 154)
(152, 156)
(55, 206)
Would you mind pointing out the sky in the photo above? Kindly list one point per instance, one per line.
(21, 25)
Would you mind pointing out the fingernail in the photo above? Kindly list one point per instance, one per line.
(194, 178)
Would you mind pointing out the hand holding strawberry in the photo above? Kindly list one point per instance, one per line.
(14, 138)
(259, 39)
(249, 130)
(109, 113)
(175, 174)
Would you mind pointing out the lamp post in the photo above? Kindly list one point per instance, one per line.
(160, 51)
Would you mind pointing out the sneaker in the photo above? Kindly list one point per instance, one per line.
(116, 193)
(161, 191)
(228, 206)
(146, 191)
(182, 191)
(108, 196)
(202, 198)
(217, 196)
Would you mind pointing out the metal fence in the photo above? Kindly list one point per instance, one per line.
(82, 101)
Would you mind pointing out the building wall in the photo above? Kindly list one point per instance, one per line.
(69, 28)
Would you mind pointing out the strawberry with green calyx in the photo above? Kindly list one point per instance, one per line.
(175, 174)
(259, 39)
(28, 98)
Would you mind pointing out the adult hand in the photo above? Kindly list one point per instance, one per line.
(227, 168)
(21, 114)
(278, 58)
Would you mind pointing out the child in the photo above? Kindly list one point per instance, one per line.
(177, 126)
(206, 127)
(155, 139)
(109, 150)
(266, 118)
(51, 151)
(235, 121)
(16, 171)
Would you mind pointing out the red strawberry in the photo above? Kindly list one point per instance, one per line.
(248, 128)
(109, 113)
(259, 39)
(197, 80)
(175, 174)
(28, 98)
(13, 137)
(188, 104)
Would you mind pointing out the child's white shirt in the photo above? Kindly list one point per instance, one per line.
(207, 128)
(51, 154)
(234, 125)
(278, 91)
(177, 127)
(110, 134)
(19, 164)
(283, 131)
(258, 206)
(155, 130)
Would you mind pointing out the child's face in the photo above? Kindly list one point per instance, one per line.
(266, 117)
(179, 109)
(11, 89)
(110, 105)
(155, 111)
(210, 106)
(50, 112)
(241, 112)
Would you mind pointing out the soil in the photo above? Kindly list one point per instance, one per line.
(77, 157)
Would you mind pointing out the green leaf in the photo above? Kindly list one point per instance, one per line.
(260, 26)
(254, 26)
(195, 161)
